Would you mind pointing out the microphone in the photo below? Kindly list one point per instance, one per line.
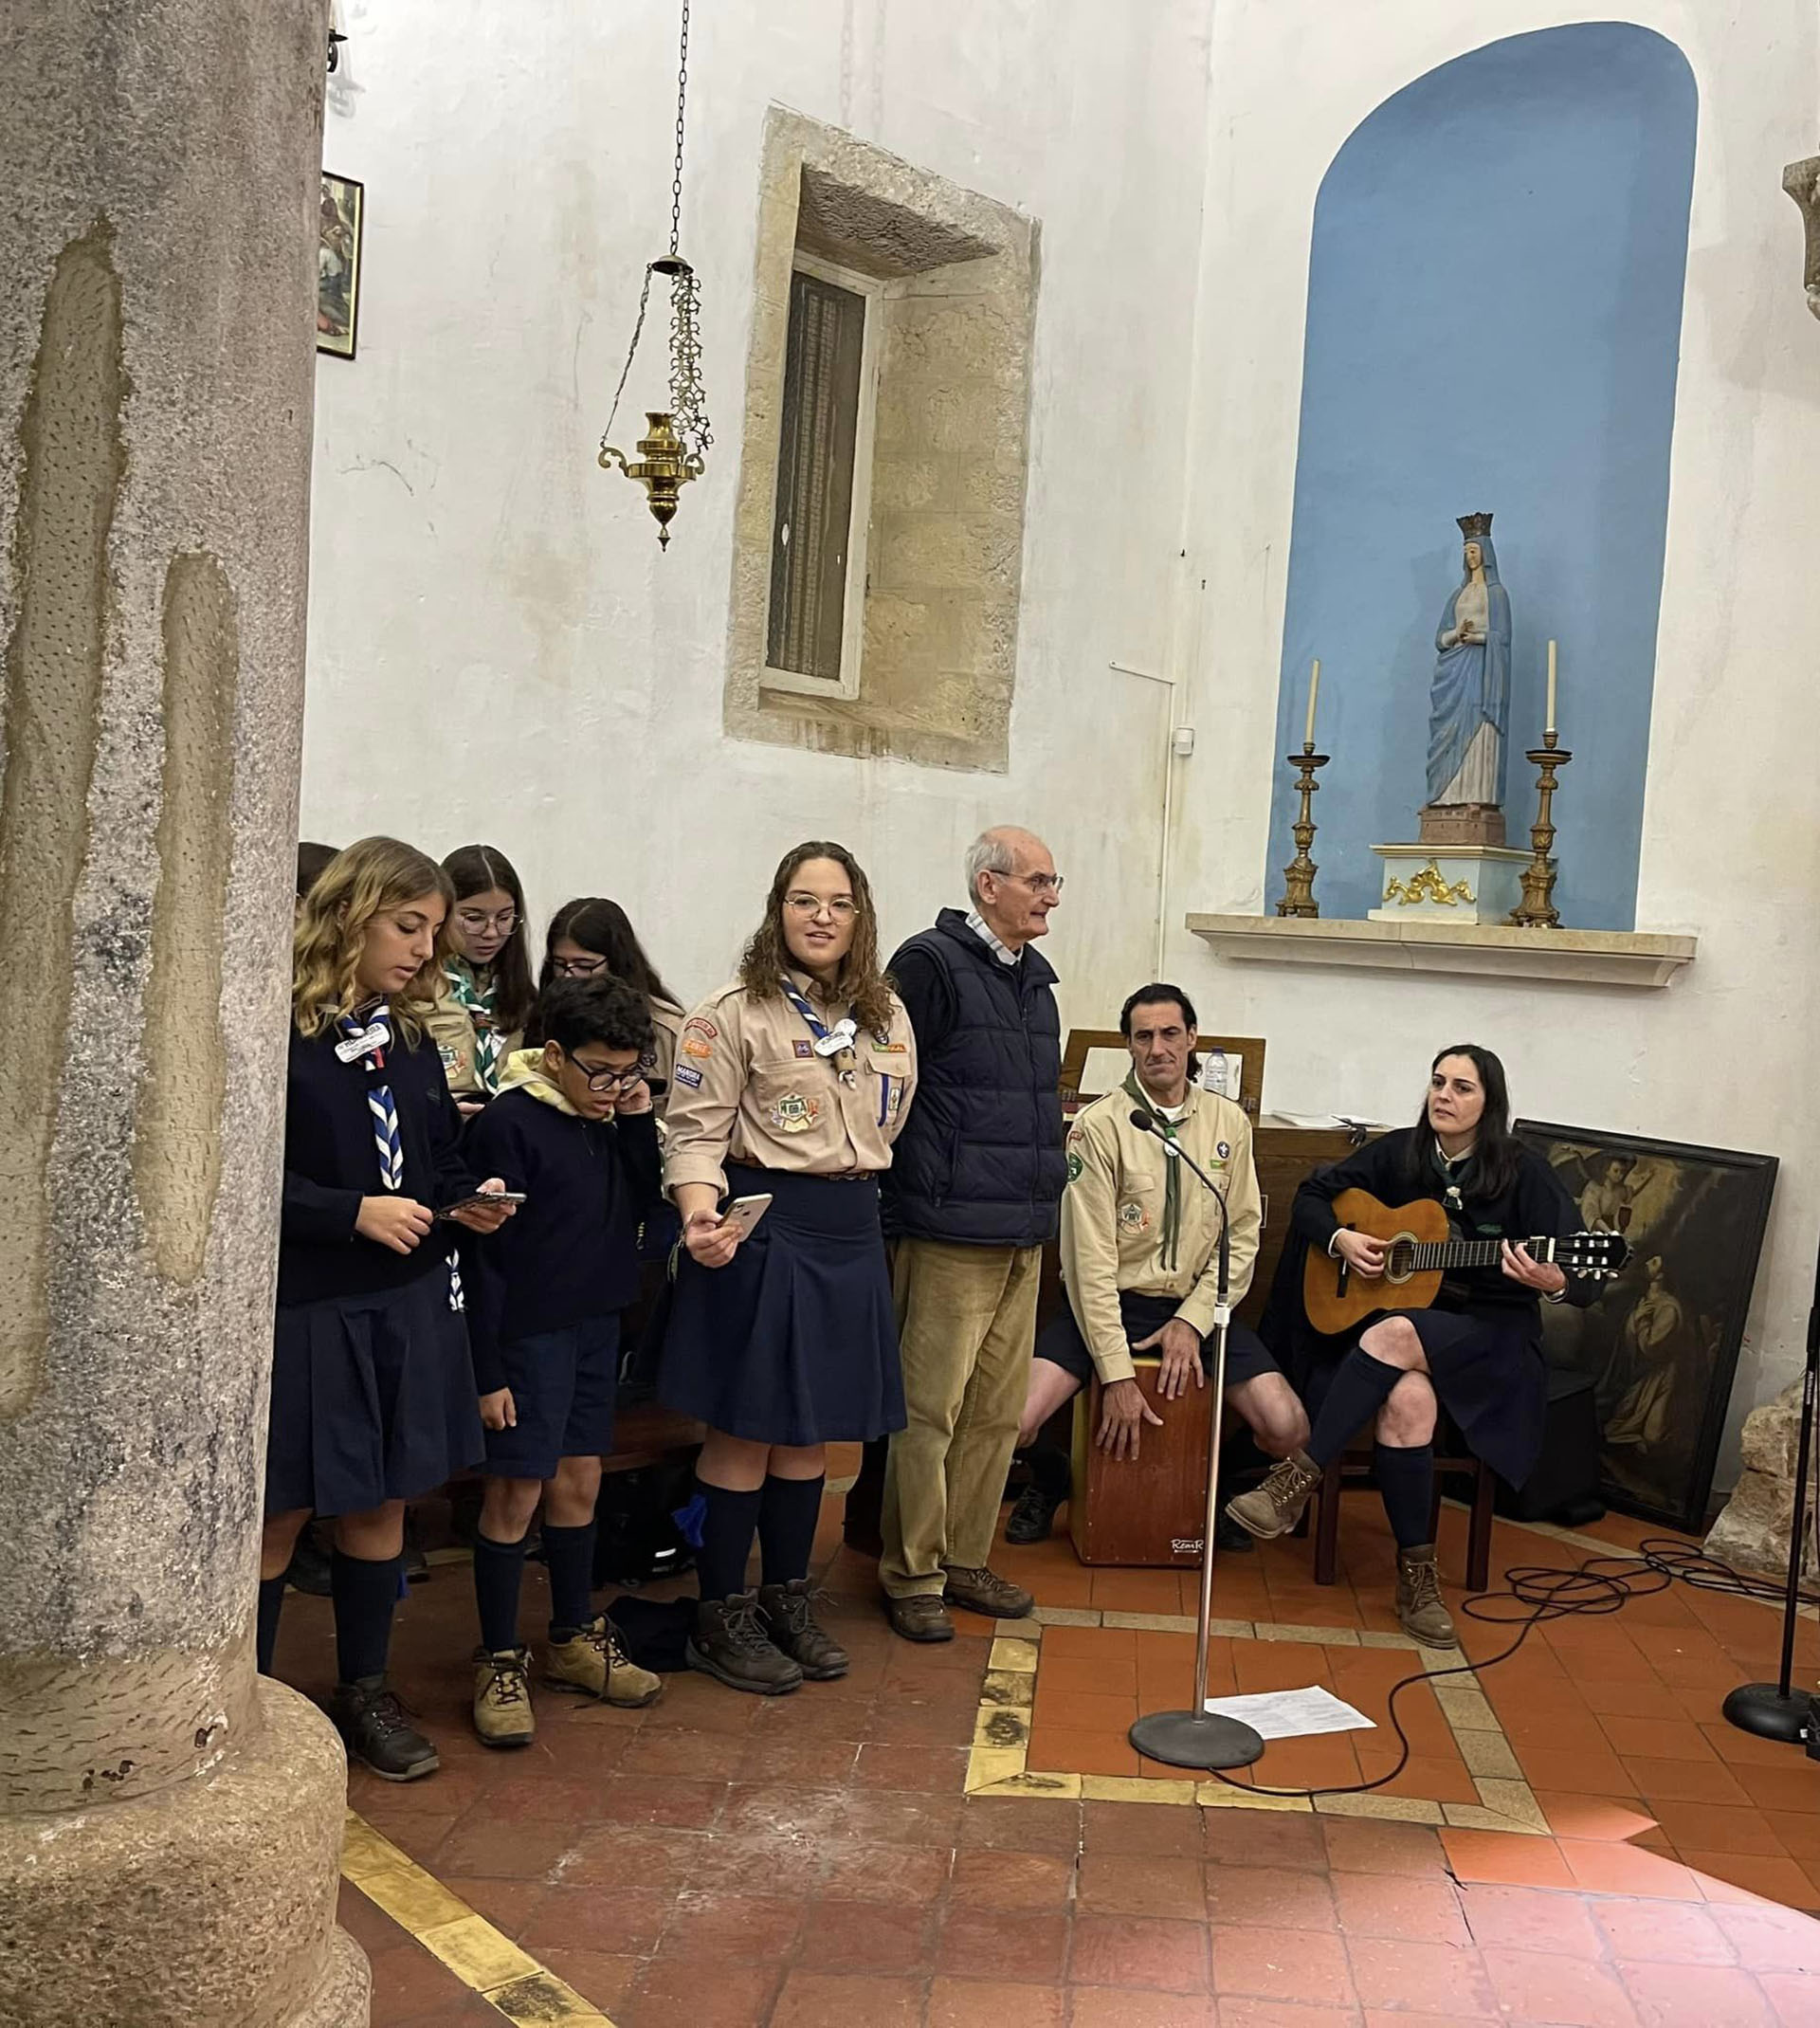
(1146, 1123)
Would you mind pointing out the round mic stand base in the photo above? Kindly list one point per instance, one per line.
(1770, 1711)
(1195, 1739)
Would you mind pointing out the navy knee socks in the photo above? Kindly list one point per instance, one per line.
(787, 1511)
(569, 1555)
(728, 1523)
(1360, 1387)
(364, 1590)
(498, 1572)
(1405, 1480)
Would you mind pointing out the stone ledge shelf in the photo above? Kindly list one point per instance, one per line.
(1584, 956)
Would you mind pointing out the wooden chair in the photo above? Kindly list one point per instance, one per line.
(1452, 1457)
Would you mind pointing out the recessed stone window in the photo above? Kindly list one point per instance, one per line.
(880, 523)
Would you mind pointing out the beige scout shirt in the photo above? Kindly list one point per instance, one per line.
(750, 1087)
(659, 1060)
(1112, 1218)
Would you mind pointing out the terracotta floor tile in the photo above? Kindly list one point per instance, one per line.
(1394, 1906)
(702, 1756)
(1019, 1823)
(1696, 1996)
(1573, 1770)
(1359, 1845)
(990, 1944)
(1079, 1711)
(1105, 2006)
(669, 1990)
(1299, 1965)
(1741, 1750)
(1546, 1733)
(1796, 1832)
(990, 2003)
(596, 1975)
(1144, 1951)
(812, 1762)
(1269, 1898)
(1571, 1992)
(1506, 1859)
(820, 1999)
(1631, 1700)
(1774, 1879)
(713, 1923)
(1528, 1918)
(1435, 1978)
(1597, 1816)
(1128, 1884)
(1794, 1996)
(501, 1851)
(1658, 1932)
(1253, 1837)
(1137, 1591)
(885, 1817)
(1793, 1784)
(865, 1936)
(1323, 1761)
(1090, 1642)
(933, 1770)
(1659, 1780)
(625, 1921)
(1437, 1780)
(881, 1872)
(1032, 1881)
(1146, 1829)
(1768, 1939)
(1719, 1827)
(1660, 1739)
(1235, 2012)
(1603, 1869)
(1112, 1675)
(1053, 1751)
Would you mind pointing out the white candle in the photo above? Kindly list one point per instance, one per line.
(1549, 726)
(1314, 691)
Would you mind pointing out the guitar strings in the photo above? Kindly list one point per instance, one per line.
(1597, 1586)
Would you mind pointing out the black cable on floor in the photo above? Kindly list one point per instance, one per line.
(1600, 1586)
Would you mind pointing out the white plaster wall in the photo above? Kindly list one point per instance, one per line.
(497, 647)
(1732, 827)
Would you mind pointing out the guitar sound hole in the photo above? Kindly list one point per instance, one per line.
(1399, 1260)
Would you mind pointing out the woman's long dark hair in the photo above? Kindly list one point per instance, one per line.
(604, 928)
(480, 869)
(862, 980)
(1496, 1154)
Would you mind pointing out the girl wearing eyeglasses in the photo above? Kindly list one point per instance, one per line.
(572, 1128)
(791, 1083)
(595, 936)
(486, 992)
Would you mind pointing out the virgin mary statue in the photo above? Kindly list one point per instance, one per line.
(1470, 702)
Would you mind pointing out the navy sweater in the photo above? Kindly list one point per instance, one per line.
(570, 1250)
(980, 1161)
(331, 1162)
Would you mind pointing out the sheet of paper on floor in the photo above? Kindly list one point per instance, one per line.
(1292, 1713)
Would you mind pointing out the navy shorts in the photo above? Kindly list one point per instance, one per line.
(563, 1384)
(1061, 1342)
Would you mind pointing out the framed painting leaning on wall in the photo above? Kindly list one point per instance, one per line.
(337, 265)
(1661, 1347)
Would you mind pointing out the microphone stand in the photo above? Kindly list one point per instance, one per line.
(1776, 1711)
(1197, 1737)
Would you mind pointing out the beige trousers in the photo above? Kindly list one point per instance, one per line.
(966, 1323)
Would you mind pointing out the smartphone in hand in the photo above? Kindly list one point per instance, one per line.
(744, 1212)
(483, 1197)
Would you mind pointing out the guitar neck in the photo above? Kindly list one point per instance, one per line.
(1428, 1257)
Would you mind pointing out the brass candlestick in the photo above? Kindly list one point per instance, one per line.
(1537, 909)
(1299, 894)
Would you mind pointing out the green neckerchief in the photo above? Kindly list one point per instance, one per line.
(1169, 1247)
(477, 1001)
(1455, 1175)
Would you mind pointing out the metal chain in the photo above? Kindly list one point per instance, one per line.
(631, 353)
(682, 102)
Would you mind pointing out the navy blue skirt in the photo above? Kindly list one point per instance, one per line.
(794, 1341)
(372, 1400)
(1059, 1340)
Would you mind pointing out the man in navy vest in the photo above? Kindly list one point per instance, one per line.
(971, 1195)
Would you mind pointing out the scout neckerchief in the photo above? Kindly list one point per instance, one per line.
(477, 1001)
(366, 1032)
(836, 1042)
(1455, 1175)
(1168, 1250)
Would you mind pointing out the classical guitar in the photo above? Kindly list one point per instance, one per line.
(1419, 1249)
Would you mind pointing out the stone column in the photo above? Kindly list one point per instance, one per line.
(1802, 182)
(169, 1824)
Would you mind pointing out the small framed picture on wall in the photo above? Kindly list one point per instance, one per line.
(337, 265)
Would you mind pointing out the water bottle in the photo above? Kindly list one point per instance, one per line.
(1213, 1072)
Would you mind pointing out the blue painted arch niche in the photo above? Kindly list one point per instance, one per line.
(1496, 277)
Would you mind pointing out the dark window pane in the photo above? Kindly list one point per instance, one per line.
(808, 545)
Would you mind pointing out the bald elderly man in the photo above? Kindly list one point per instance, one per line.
(971, 1193)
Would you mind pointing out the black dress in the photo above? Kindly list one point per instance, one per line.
(1483, 1339)
(372, 1387)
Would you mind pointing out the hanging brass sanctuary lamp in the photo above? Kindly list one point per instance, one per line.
(674, 449)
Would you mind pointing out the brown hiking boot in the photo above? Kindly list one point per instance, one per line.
(591, 1661)
(920, 1617)
(785, 1614)
(502, 1714)
(985, 1591)
(1274, 1507)
(730, 1644)
(1419, 1609)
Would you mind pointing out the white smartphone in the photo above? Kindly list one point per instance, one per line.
(484, 1196)
(744, 1212)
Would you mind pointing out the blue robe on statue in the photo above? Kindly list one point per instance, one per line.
(1471, 688)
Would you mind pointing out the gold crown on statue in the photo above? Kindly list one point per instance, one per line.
(1474, 527)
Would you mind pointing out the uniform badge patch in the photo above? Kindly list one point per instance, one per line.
(700, 1025)
(794, 1114)
(687, 1074)
(804, 1049)
(1223, 1149)
(695, 1045)
(1133, 1217)
(1075, 1167)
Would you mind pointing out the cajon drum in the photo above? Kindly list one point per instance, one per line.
(1148, 1515)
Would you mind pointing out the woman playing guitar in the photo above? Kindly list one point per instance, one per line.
(1477, 1352)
